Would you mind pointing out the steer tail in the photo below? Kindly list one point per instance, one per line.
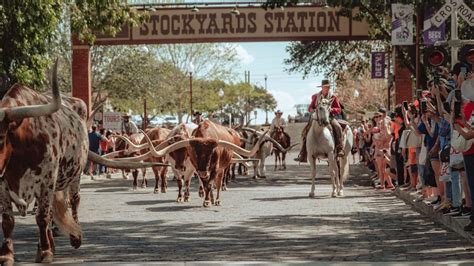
(63, 219)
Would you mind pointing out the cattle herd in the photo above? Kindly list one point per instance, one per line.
(44, 146)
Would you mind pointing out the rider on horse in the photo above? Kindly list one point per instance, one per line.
(335, 113)
(278, 122)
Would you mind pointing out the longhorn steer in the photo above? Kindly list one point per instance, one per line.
(43, 147)
(210, 156)
(157, 134)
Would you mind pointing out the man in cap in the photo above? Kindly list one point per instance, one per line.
(197, 118)
(334, 112)
(128, 126)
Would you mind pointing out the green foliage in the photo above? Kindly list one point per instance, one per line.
(336, 58)
(27, 30)
(30, 30)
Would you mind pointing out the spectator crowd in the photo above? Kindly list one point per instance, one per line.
(426, 145)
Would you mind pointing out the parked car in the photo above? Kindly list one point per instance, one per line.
(170, 121)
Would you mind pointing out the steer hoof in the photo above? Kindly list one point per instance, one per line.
(254, 177)
(179, 199)
(143, 186)
(163, 190)
(201, 194)
(156, 191)
(134, 188)
(224, 188)
(263, 176)
(333, 194)
(218, 203)
(186, 199)
(6, 254)
(45, 256)
(206, 204)
(311, 195)
(75, 241)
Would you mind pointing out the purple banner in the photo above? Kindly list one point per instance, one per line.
(378, 65)
(431, 33)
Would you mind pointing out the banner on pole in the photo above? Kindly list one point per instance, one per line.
(402, 24)
(378, 65)
(431, 33)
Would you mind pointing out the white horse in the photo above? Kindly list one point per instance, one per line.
(320, 145)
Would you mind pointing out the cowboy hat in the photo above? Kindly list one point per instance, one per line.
(278, 112)
(324, 82)
(197, 113)
(467, 89)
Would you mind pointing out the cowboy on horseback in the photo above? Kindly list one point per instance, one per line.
(278, 122)
(335, 113)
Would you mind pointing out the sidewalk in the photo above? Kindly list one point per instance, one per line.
(454, 223)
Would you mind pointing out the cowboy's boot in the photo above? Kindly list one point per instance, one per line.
(303, 155)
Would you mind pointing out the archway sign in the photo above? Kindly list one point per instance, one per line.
(218, 24)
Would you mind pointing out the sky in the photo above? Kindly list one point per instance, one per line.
(288, 89)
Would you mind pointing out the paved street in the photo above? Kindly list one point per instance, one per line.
(267, 219)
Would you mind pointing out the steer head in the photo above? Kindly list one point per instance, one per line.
(204, 156)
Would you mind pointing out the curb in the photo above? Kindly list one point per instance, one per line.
(456, 224)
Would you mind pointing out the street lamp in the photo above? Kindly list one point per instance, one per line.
(145, 51)
(221, 95)
(266, 107)
(191, 70)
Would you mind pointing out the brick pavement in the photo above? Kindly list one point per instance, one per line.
(260, 220)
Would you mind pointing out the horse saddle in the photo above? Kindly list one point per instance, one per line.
(343, 123)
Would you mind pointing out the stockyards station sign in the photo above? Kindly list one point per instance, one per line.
(179, 25)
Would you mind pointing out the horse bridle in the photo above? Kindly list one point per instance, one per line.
(317, 116)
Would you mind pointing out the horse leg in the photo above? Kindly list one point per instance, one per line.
(144, 177)
(283, 155)
(276, 160)
(312, 164)
(156, 172)
(135, 180)
(333, 173)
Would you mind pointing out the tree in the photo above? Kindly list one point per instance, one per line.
(338, 57)
(353, 90)
(211, 62)
(28, 30)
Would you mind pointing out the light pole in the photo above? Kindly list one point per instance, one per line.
(221, 95)
(266, 107)
(145, 50)
(191, 70)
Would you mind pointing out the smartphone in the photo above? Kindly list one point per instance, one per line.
(457, 94)
(464, 72)
(447, 107)
(423, 107)
(418, 94)
(457, 109)
(405, 105)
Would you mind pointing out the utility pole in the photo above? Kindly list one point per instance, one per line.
(266, 107)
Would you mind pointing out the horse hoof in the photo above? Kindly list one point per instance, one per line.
(333, 194)
(186, 199)
(206, 204)
(75, 241)
(179, 199)
(340, 193)
(44, 256)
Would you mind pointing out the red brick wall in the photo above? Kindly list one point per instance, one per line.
(81, 74)
(403, 84)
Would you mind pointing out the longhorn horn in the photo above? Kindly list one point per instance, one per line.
(20, 112)
(167, 147)
(275, 143)
(133, 147)
(240, 150)
(121, 164)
